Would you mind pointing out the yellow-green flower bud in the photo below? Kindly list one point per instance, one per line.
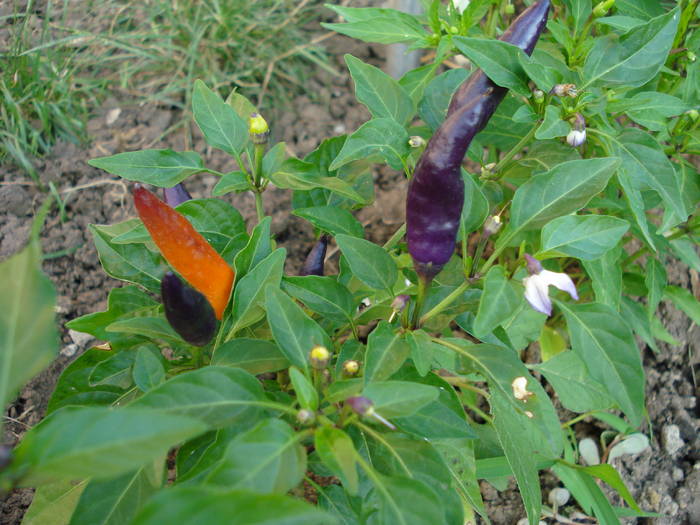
(319, 357)
(602, 8)
(351, 367)
(509, 9)
(305, 417)
(258, 129)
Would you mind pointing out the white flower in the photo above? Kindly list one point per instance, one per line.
(537, 285)
(575, 138)
(460, 5)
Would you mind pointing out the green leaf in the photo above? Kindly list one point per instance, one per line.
(116, 501)
(233, 181)
(249, 293)
(650, 108)
(552, 126)
(399, 398)
(148, 371)
(386, 352)
(332, 219)
(382, 95)
(433, 106)
(380, 136)
(115, 371)
(150, 327)
(475, 208)
(295, 174)
(109, 443)
(458, 457)
(587, 493)
(643, 9)
(685, 301)
(215, 395)
(133, 263)
(161, 167)
(498, 59)
(53, 503)
(586, 237)
(267, 458)
(580, 10)
(515, 433)
(221, 126)
(259, 246)
(403, 501)
(572, 382)
(498, 302)
(370, 263)
(252, 355)
(213, 506)
(384, 26)
(606, 274)
(646, 164)
(655, 280)
(414, 82)
(295, 332)
(323, 295)
(304, 390)
(604, 342)
(609, 475)
(564, 189)
(551, 343)
(336, 450)
(29, 339)
(633, 59)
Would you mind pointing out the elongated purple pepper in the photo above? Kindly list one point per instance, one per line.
(187, 311)
(176, 195)
(436, 191)
(313, 265)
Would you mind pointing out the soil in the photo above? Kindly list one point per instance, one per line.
(664, 479)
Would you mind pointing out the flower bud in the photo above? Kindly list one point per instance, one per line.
(319, 357)
(400, 302)
(602, 8)
(305, 417)
(351, 367)
(360, 405)
(416, 141)
(176, 195)
(533, 265)
(258, 129)
(492, 225)
(538, 96)
(509, 9)
(577, 136)
(565, 90)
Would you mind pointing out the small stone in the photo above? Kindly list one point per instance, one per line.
(677, 474)
(671, 439)
(69, 350)
(80, 338)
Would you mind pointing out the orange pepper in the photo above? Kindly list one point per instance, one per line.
(185, 249)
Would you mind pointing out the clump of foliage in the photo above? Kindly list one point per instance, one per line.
(261, 386)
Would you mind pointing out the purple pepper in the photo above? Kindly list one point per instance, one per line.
(176, 195)
(436, 191)
(313, 265)
(187, 311)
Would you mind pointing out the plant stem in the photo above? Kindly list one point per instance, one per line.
(394, 239)
(423, 286)
(447, 301)
(515, 149)
(259, 205)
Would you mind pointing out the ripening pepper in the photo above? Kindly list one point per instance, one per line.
(436, 191)
(185, 249)
(187, 311)
(313, 265)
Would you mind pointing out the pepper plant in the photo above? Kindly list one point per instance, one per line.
(227, 391)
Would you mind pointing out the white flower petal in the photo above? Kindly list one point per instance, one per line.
(460, 5)
(536, 294)
(561, 281)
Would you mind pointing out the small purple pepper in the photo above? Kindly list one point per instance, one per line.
(176, 195)
(187, 311)
(313, 265)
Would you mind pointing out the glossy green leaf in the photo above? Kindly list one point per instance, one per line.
(133, 263)
(53, 503)
(295, 174)
(580, 10)
(148, 371)
(267, 458)
(685, 301)
(403, 501)
(323, 295)
(606, 274)
(562, 190)
(304, 390)
(116, 501)
(256, 249)
(28, 335)
(498, 59)
(383, 26)
(498, 302)
(643, 9)
(115, 371)
(585, 237)
(633, 59)
(551, 343)
(249, 293)
(382, 137)
(587, 493)
(294, 331)
(386, 352)
(370, 263)
(476, 206)
(655, 280)
(572, 382)
(109, 443)
(603, 341)
(458, 456)
(215, 395)
(220, 124)
(160, 167)
(636, 206)
(332, 219)
(151, 327)
(651, 109)
(382, 95)
(336, 450)
(214, 506)
(233, 181)
(399, 398)
(433, 106)
(252, 355)
(552, 126)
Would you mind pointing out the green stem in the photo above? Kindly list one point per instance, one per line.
(394, 239)
(578, 418)
(259, 205)
(500, 246)
(447, 301)
(478, 253)
(515, 149)
(423, 286)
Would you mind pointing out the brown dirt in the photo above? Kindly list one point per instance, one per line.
(661, 481)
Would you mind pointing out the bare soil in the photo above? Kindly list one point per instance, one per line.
(665, 479)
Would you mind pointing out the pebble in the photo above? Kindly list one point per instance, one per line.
(677, 474)
(69, 350)
(81, 339)
(671, 439)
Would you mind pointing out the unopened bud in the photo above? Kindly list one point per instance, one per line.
(400, 302)
(602, 8)
(538, 96)
(492, 225)
(487, 170)
(351, 367)
(565, 90)
(363, 407)
(416, 142)
(305, 417)
(509, 9)
(577, 135)
(533, 265)
(258, 129)
(319, 357)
